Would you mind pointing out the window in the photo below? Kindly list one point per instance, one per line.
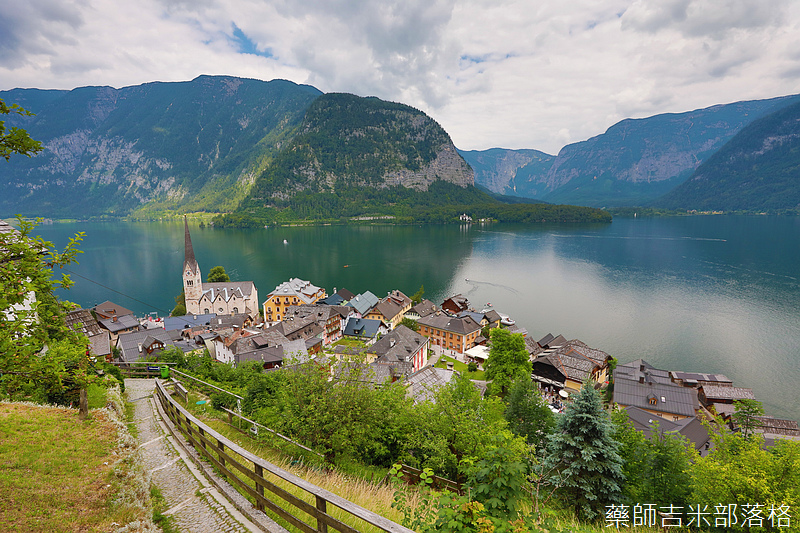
(188, 283)
(235, 310)
(205, 311)
(221, 310)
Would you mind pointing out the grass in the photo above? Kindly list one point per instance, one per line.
(461, 367)
(375, 496)
(57, 472)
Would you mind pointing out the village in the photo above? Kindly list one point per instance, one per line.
(299, 321)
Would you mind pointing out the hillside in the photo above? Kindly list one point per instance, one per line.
(758, 170)
(193, 145)
(634, 162)
(349, 141)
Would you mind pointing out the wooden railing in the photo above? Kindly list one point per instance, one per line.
(411, 476)
(234, 461)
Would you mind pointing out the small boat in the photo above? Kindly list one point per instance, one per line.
(285, 241)
(346, 266)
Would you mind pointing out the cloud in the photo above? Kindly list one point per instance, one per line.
(493, 72)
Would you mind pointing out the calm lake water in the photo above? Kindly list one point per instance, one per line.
(717, 294)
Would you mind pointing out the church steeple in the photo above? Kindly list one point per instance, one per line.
(192, 279)
(189, 262)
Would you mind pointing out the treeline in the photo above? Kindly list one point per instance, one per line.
(443, 202)
(519, 462)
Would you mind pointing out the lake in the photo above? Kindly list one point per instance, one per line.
(718, 294)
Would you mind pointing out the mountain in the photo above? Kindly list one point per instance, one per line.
(510, 172)
(634, 162)
(759, 169)
(350, 141)
(194, 145)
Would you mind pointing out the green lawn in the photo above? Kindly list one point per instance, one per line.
(57, 472)
(461, 367)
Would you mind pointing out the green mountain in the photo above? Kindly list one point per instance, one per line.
(634, 162)
(757, 170)
(194, 145)
(350, 141)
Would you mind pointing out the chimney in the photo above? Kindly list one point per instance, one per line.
(114, 318)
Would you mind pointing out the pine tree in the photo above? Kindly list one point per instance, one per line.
(583, 456)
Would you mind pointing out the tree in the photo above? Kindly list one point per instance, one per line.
(667, 462)
(40, 357)
(584, 457)
(180, 305)
(16, 140)
(527, 413)
(410, 323)
(417, 298)
(218, 275)
(508, 360)
(746, 415)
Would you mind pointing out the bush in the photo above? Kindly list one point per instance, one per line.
(472, 366)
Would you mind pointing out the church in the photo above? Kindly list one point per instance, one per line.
(222, 298)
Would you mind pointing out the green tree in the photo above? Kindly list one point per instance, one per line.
(217, 275)
(584, 457)
(527, 412)
(746, 415)
(632, 451)
(508, 360)
(742, 471)
(180, 305)
(410, 323)
(417, 298)
(16, 140)
(667, 462)
(40, 357)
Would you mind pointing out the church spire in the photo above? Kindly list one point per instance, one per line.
(189, 262)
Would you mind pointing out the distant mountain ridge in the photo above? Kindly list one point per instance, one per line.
(192, 145)
(634, 162)
(758, 170)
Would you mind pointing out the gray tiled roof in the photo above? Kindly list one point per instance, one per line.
(402, 344)
(121, 323)
(715, 392)
(82, 320)
(690, 427)
(128, 343)
(697, 377)
(188, 321)
(668, 398)
(424, 308)
(363, 303)
(444, 322)
(362, 327)
(641, 370)
(423, 384)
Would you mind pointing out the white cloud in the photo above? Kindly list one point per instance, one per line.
(493, 73)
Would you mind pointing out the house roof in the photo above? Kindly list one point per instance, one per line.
(108, 309)
(188, 321)
(690, 427)
(100, 344)
(641, 370)
(362, 327)
(459, 301)
(668, 398)
(333, 299)
(305, 291)
(121, 323)
(401, 344)
(128, 343)
(387, 309)
(81, 320)
(574, 359)
(424, 308)
(423, 384)
(345, 294)
(228, 289)
(363, 303)
(697, 377)
(716, 393)
(460, 325)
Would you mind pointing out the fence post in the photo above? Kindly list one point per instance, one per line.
(221, 449)
(322, 506)
(259, 487)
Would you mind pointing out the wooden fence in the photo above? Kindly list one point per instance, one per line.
(229, 458)
(411, 476)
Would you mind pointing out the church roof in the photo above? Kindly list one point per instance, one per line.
(189, 261)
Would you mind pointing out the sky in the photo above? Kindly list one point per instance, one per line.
(494, 73)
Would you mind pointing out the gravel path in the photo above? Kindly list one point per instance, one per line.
(195, 504)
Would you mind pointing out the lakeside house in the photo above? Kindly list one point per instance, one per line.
(82, 321)
(363, 303)
(422, 309)
(402, 349)
(456, 334)
(455, 304)
(290, 293)
(365, 329)
(568, 364)
(639, 384)
(391, 309)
